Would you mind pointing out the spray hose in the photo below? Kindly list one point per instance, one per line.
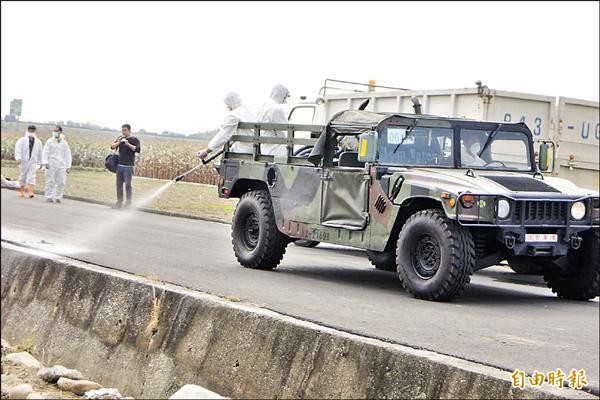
(204, 162)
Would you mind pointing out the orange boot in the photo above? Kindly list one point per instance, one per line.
(31, 191)
(21, 191)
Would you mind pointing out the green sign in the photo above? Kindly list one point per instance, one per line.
(15, 107)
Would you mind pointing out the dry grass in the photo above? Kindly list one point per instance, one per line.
(183, 197)
(28, 344)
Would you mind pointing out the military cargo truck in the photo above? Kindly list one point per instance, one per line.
(434, 199)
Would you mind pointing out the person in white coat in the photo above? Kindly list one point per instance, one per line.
(28, 153)
(273, 111)
(56, 157)
(469, 151)
(237, 113)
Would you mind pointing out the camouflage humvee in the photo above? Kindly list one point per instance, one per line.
(433, 198)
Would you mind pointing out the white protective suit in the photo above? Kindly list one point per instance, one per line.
(57, 158)
(229, 127)
(28, 164)
(469, 157)
(273, 111)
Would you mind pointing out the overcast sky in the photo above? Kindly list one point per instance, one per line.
(166, 66)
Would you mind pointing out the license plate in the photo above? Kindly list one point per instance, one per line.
(541, 237)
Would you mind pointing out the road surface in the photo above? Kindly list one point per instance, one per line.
(503, 319)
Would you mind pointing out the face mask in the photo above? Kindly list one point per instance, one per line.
(30, 133)
(475, 148)
(55, 134)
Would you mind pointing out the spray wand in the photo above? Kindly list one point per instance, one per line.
(204, 162)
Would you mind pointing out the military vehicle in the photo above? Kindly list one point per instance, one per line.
(569, 126)
(432, 198)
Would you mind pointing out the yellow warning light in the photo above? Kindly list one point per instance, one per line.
(452, 203)
(363, 148)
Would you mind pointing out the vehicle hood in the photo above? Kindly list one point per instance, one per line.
(511, 184)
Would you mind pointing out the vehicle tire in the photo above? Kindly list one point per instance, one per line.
(582, 282)
(526, 267)
(383, 260)
(435, 256)
(306, 243)
(257, 243)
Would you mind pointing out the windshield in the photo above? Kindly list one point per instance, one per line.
(422, 146)
(489, 149)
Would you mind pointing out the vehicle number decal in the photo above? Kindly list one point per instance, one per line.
(541, 237)
(395, 135)
(316, 234)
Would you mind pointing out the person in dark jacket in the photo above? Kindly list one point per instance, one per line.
(128, 145)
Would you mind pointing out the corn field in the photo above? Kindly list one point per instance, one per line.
(161, 158)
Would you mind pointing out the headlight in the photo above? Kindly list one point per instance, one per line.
(503, 209)
(467, 201)
(578, 210)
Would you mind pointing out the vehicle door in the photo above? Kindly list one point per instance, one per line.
(345, 188)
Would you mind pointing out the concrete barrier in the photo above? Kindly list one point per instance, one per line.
(150, 338)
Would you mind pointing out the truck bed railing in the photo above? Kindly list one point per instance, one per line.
(289, 141)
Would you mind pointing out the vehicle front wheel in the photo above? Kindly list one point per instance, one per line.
(580, 277)
(257, 243)
(435, 256)
(383, 260)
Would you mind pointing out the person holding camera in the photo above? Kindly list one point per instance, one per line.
(128, 145)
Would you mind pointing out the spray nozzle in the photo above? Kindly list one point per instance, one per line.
(180, 177)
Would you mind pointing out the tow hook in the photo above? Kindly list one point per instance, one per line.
(575, 242)
(509, 241)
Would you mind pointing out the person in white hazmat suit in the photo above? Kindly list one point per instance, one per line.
(28, 153)
(237, 113)
(273, 111)
(469, 151)
(56, 157)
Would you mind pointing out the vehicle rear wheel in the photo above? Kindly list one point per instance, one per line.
(435, 256)
(257, 243)
(306, 243)
(383, 260)
(582, 282)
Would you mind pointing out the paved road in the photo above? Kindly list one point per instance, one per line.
(503, 319)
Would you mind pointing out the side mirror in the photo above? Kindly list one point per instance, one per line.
(543, 157)
(367, 147)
